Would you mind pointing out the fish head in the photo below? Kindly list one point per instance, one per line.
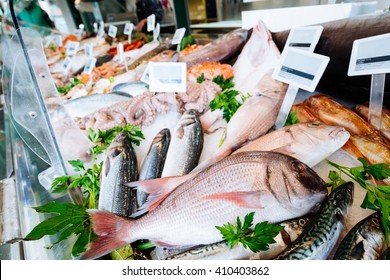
(301, 189)
(166, 56)
(186, 123)
(314, 142)
(341, 200)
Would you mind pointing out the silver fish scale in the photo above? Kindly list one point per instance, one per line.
(192, 213)
(365, 241)
(321, 235)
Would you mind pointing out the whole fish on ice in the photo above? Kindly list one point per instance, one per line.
(311, 143)
(321, 235)
(274, 186)
(119, 167)
(185, 147)
(154, 161)
(365, 241)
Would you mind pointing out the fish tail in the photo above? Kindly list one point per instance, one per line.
(113, 233)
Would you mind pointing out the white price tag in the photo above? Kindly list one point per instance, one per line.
(119, 48)
(151, 22)
(128, 29)
(145, 75)
(78, 32)
(101, 30)
(167, 76)
(88, 50)
(66, 63)
(112, 31)
(370, 56)
(156, 32)
(179, 34)
(304, 38)
(301, 69)
(57, 40)
(72, 48)
(91, 62)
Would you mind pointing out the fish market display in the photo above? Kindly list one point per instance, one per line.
(221, 50)
(309, 142)
(365, 241)
(153, 163)
(336, 42)
(274, 186)
(186, 146)
(119, 167)
(362, 110)
(320, 236)
(222, 251)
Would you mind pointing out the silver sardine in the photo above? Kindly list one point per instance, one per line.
(119, 167)
(319, 238)
(222, 251)
(365, 241)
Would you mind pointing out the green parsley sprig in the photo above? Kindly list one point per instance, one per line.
(256, 240)
(67, 88)
(292, 118)
(377, 197)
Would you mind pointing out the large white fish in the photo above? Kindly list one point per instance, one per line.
(311, 143)
(253, 119)
(256, 62)
(274, 186)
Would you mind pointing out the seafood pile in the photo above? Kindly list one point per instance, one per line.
(196, 170)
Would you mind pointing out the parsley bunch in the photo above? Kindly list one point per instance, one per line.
(377, 197)
(256, 240)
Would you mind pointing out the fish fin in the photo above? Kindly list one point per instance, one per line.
(242, 199)
(113, 233)
(157, 189)
(286, 149)
(219, 155)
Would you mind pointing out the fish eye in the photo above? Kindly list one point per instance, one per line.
(375, 221)
(298, 166)
(302, 222)
(339, 214)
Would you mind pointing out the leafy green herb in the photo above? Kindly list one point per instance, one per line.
(186, 41)
(66, 89)
(292, 118)
(224, 84)
(377, 197)
(200, 79)
(227, 102)
(70, 219)
(335, 180)
(106, 137)
(256, 240)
